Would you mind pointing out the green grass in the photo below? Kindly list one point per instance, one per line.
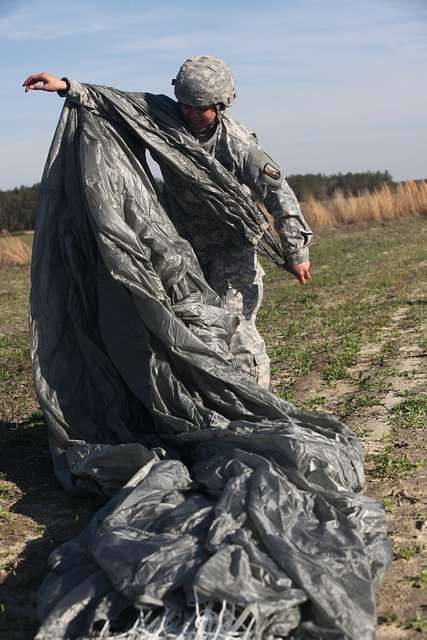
(405, 553)
(388, 617)
(354, 403)
(386, 349)
(389, 464)
(411, 412)
(8, 490)
(389, 504)
(285, 394)
(418, 622)
(5, 515)
(369, 388)
(420, 515)
(420, 581)
(323, 325)
(344, 359)
(5, 374)
(315, 402)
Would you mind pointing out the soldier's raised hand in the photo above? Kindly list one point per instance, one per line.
(43, 82)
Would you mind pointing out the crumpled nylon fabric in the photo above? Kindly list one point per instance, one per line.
(215, 489)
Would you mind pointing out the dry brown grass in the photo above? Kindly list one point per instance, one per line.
(408, 199)
(14, 252)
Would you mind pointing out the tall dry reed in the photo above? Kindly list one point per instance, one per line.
(13, 252)
(407, 199)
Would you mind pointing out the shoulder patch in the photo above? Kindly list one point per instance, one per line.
(271, 171)
(261, 170)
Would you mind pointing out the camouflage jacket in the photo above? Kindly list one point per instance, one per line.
(237, 149)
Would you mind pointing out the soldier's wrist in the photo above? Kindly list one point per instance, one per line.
(297, 257)
(63, 92)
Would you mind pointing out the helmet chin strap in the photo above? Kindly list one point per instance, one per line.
(219, 110)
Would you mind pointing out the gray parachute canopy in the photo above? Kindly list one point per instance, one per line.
(229, 512)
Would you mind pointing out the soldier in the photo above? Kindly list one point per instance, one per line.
(204, 88)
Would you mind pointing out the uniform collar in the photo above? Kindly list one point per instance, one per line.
(206, 134)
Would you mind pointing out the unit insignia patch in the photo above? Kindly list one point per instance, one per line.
(271, 171)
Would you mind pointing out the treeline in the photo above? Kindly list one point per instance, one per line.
(17, 206)
(322, 187)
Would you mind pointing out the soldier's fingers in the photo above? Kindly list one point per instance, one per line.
(34, 77)
(39, 86)
(28, 86)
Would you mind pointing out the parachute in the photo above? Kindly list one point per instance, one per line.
(229, 513)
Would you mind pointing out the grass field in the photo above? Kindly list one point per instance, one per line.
(385, 203)
(15, 250)
(352, 342)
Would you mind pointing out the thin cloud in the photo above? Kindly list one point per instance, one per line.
(8, 6)
(53, 32)
(21, 26)
(39, 20)
(162, 43)
(288, 35)
(55, 20)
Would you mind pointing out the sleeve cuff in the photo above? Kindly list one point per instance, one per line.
(64, 92)
(297, 257)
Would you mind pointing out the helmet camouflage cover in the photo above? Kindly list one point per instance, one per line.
(203, 81)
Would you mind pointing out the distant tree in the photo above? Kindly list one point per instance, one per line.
(321, 186)
(18, 205)
(17, 208)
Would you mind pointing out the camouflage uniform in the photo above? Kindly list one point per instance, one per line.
(234, 272)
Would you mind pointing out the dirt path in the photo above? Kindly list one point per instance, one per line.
(383, 398)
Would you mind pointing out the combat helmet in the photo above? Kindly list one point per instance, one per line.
(203, 81)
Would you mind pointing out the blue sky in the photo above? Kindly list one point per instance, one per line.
(328, 85)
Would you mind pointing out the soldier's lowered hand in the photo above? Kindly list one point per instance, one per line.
(300, 271)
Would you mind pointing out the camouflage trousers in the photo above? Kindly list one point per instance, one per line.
(236, 276)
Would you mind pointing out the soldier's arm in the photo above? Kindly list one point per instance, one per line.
(77, 93)
(266, 181)
(63, 86)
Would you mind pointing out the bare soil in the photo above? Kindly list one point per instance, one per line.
(402, 597)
